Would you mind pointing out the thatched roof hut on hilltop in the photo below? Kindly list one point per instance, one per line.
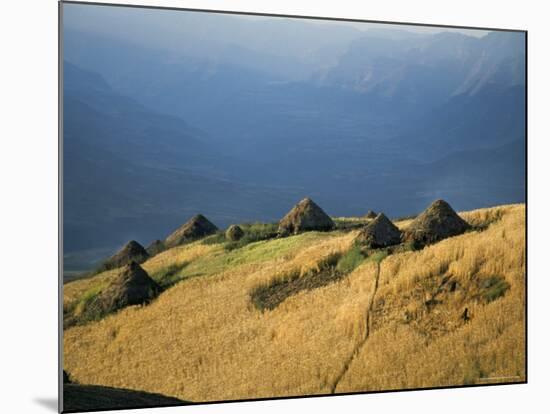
(132, 286)
(305, 216)
(380, 232)
(437, 222)
(130, 252)
(197, 227)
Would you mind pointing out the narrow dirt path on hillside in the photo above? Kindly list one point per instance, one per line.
(362, 342)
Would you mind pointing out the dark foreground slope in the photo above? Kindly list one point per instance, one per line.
(78, 397)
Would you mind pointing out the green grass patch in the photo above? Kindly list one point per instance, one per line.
(350, 260)
(88, 297)
(81, 310)
(494, 288)
(377, 256)
(216, 238)
(253, 232)
(350, 223)
(169, 275)
(256, 252)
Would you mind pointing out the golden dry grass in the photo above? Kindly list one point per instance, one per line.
(437, 348)
(203, 340)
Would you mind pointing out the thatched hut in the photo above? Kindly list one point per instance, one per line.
(380, 232)
(437, 222)
(197, 227)
(305, 216)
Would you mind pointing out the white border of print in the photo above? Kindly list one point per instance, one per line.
(28, 167)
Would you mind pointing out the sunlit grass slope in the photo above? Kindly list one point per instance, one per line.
(394, 323)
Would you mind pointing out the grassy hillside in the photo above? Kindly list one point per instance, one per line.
(395, 321)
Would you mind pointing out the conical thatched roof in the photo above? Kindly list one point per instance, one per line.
(198, 226)
(437, 222)
(130, 252)
(234, 232)
(370, 214)
(305, 216)
(380, 232)
(132, 286)
(155, 247)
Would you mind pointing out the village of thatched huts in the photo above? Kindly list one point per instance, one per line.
(305, 216)
(197, 227)
(380, 232)
(437, 222)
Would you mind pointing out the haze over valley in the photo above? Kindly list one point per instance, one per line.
(240, 118)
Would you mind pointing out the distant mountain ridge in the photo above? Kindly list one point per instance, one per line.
(429, 69)
(153, 137)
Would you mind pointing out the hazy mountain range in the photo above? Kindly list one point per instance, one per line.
(238, 119)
